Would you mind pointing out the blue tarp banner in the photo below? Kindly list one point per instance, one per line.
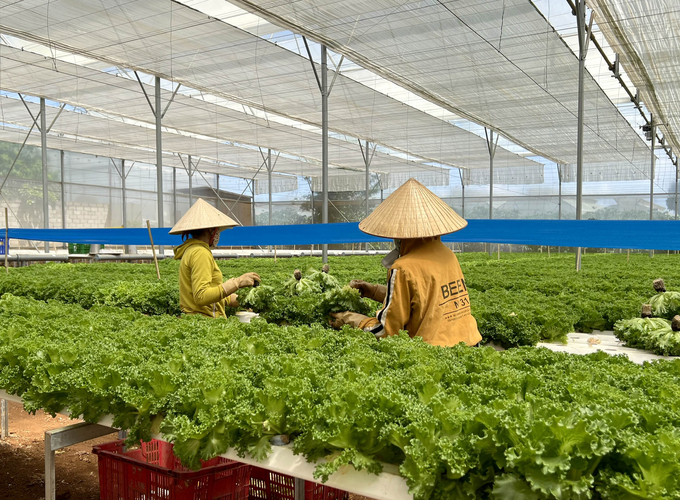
(645, 235)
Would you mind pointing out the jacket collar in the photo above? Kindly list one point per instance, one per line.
(410, 245)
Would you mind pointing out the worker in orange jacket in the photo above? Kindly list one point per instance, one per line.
(426, 294)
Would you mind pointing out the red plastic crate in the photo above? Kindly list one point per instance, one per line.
(316, 491)
(269, 485)
(154, 473)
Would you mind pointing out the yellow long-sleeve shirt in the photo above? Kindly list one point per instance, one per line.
(200, 280)
(426, 296)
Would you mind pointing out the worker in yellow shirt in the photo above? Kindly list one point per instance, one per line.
(426, 294)
(201, 286)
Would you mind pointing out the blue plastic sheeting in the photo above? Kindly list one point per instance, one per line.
(652, 235)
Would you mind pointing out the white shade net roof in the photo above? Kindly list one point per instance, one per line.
(646, 36)
(498, 63)
(191, 125)
(179, 43)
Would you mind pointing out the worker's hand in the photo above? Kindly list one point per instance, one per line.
(346, 318)
(248, 279)
(367, 290)
(232, 300)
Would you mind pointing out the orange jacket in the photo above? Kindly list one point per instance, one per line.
(426, 296)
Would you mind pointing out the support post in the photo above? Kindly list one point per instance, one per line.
(269, 183)
(492, 152)
(252, 202)
(123, 179)
(312, 190)
(324, 149)
(153, 249)
(191, 185)
(559, 195)
(63, 191)
(4, 416)
(491, 144)
(159, 157)
(45, 188)
(583, 40)
(299, 485)
(652, 173)
(677, 174)
(123, 182)
(62, 174)
(462, 188)
(174, 195)
(56, 439)
(6, 241)
(559, 192)
(368, 164)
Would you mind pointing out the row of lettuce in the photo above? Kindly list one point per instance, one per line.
(518, 300)
(459, 422)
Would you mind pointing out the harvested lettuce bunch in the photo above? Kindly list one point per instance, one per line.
(653, 334)
(298, 285)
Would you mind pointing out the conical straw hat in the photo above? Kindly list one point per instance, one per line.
(412, 211)
(202, 215)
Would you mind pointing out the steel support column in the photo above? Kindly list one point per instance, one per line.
(123, 182)
(312, 191)
(4, 417)
(652, 173)
(56, 439)
(191, 184)
(62, 172)
(491, 144)
(269, 183)
(583, 41)
(559, 192)
(174, 195)
(652, 170)
(324, 149)
(159, 157)
(677, 174)
(252, 202)
(462, 188)
(368, 158)
(367, 163)
(45, 186)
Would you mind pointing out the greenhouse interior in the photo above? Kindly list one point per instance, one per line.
(339, 250)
